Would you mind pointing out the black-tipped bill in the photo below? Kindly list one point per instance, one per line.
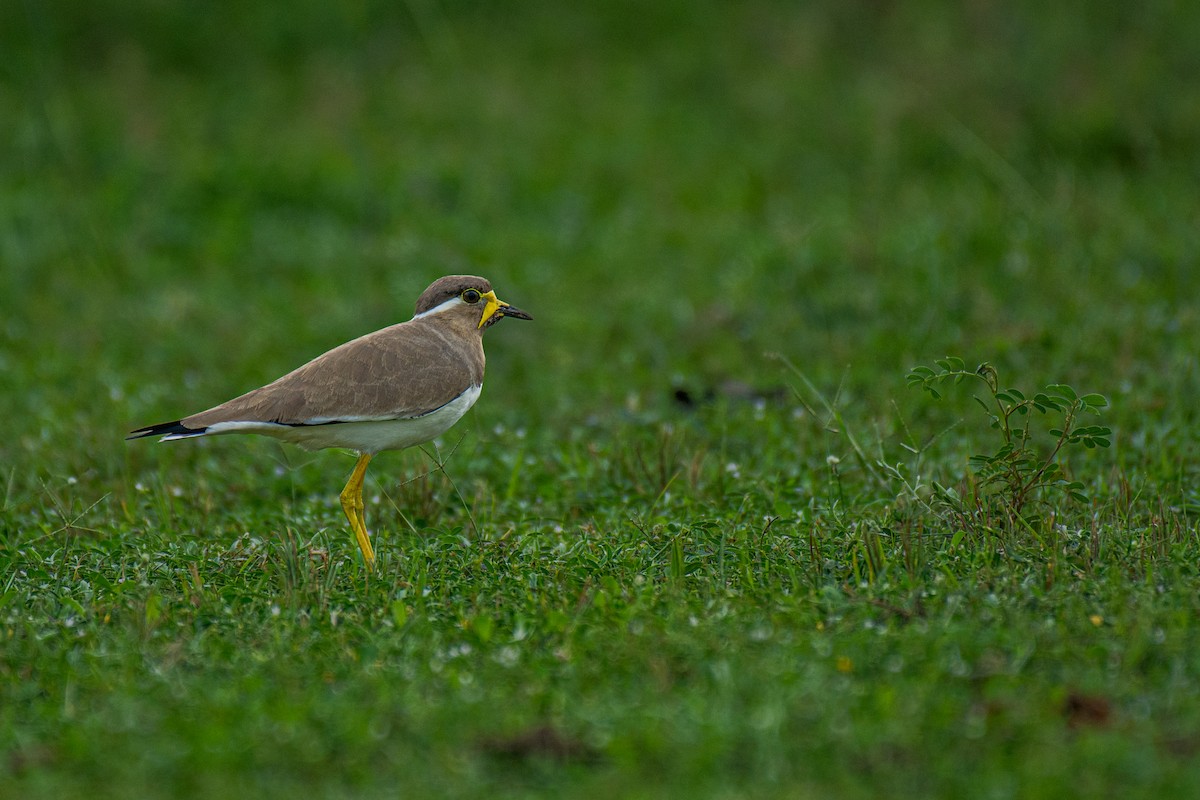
(515, 313)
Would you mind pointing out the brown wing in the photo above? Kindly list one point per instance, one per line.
(403, 371)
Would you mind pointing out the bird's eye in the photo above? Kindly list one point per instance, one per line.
(471, 296)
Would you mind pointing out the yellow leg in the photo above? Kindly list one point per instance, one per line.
(352, 504)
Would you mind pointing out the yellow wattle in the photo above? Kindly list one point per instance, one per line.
(492, 305)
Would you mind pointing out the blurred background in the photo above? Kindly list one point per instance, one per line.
(197, 198)
(645, 537)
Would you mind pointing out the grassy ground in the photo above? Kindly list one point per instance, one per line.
(659, 561)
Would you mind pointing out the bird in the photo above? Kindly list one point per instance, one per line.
(398, 387)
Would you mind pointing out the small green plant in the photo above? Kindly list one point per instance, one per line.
(1018, 471)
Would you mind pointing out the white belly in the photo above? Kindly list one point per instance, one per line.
(365, 436)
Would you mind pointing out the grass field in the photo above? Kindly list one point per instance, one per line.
(700, 537)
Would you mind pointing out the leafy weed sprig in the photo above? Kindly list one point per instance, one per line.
(1016, 471)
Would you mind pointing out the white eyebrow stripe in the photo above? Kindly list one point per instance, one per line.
(440, 307)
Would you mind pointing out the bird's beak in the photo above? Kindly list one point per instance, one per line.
(513, 311)
(497, 308)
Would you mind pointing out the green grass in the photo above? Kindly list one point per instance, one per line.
(659, 562)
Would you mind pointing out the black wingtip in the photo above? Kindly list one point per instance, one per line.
(176, 428)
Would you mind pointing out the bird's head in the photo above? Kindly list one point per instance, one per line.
(468, 295)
